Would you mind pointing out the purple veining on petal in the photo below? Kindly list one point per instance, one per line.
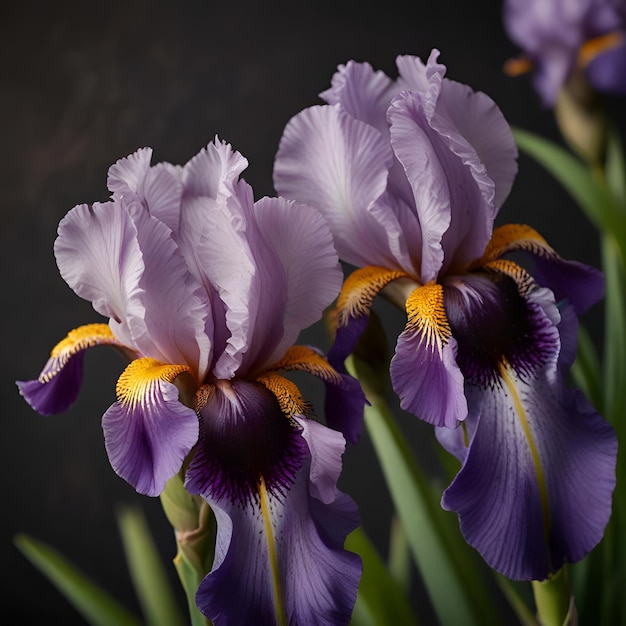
(493, 323)
(310, 522)
(244, 437)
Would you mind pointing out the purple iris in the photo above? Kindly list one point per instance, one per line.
(207, 290)
(410, 175)
(559, 37)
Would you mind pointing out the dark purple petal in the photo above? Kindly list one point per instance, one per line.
(244, 437)
(57, 394)
(148, 432)
(57, 387)
(607, 71)
(285, 553)
(535, 489)
(580, 284)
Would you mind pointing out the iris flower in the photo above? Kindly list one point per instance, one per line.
(560, 37)
(410, 175)
(206, 291)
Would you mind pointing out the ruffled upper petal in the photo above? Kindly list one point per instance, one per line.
(339, 166)
(148, 432)
(423, 370)
(57, 387)
(302, 252)
(99, 257)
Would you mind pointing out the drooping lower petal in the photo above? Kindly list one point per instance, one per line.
(57, 387)
(345, 400)
(582, 285)
(148, 432)
(280, 557)
(535, 489)
(423, 370)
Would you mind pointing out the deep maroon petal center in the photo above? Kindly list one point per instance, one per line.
(493, 324)
(244, 438)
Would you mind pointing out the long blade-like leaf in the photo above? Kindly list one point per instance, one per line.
(146, 569)
(95, 604)
(456, 590)
(380, 599)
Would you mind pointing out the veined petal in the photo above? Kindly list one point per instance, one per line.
(280, 559)
(364, 93)
(57, 387)
(582, 285)
(344, 397)
(99, 258)
(535, 489)
(339, 165)
(148, 432)
(303, 252)
(126, 175)
(424, 372)
(172, 334)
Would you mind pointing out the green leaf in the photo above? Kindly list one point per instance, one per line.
(380, 599)
(446, 564)
(399, 555)
(146, 569)
(587, 369)
(595, 199)
(91, 601)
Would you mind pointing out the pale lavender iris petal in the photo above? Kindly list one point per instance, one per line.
(228, 263)
(340, 166)
(99, 257)
(317, 577)
(427, 379)
(363, 93)
(126, 175)
(148, 439)
(171, 334)
(497, 494)
(479, 134)
(162, 193)
(303, 247)
(427, 171)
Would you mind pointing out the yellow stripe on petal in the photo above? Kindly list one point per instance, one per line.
(303, 359)
(521, 413)
(287, 393)
(137, 381)
(427, 316)
(279, 604)
(515, 237)
(522, 278)
(360, 289)
(517, 66)
(76, 341)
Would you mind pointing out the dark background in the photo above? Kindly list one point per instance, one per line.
(83, 84)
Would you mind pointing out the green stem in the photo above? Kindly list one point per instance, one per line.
(554, 602)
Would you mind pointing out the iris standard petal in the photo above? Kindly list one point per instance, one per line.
(57, 387)
(280, 558)
(304, 253)
(535, 489)
(423, 370)
(98, 256)
(148, 432)
(363, 93)
(126, 175)
(582, 285)
(172, 334)
(339, 166)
